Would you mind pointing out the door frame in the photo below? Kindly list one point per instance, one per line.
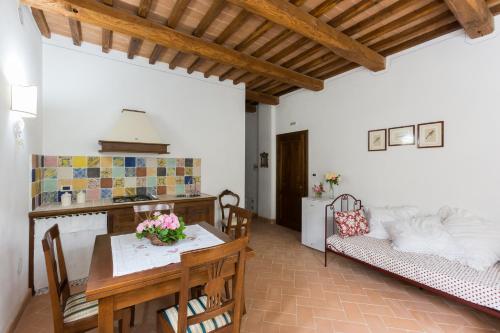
(306, 169)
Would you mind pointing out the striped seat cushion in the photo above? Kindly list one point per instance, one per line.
(77, 307)
(196, 306)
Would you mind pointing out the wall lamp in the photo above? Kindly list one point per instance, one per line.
(24, 101)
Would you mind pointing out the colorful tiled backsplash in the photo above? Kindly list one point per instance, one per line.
(105, 177)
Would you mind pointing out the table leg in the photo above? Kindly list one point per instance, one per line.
(105, 319)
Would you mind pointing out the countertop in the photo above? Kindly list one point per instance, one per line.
(104, 205)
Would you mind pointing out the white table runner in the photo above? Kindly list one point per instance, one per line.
(132, 255)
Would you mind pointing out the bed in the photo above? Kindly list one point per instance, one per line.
(478, 289)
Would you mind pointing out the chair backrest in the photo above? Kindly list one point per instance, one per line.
(143, 212)
(235, 201)
(218, 261)
(56, 274)
(239, 222)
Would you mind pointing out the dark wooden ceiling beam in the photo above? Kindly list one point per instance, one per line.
(172, 22)
(41, 22)
(136, 43)
(261, 98)
(250, 107)
(103, 16)
(319, 10)
(203, 25)
(225, 34)
(296, 19)
(474, 16)
(76, 31)
(250, 39)
(107, 35)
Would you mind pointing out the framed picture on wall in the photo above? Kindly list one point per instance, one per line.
(403, 135)
(377, 140)
(431, 135)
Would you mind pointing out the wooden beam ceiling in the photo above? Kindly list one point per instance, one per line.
(261, 98)
(98, 14)
(41, 22)
(287, 15)
(76, 31)
(172, 22)
(474, 16)
(136, 43)
(107, 35)
(210, 16)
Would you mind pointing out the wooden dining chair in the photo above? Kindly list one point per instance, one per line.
(214, 311)
(241, 220)
(71, 313)
(234, 200)
(142, 212)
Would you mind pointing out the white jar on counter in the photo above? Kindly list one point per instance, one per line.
(80, 197)
(66, 199)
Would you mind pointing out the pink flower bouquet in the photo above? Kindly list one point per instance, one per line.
(162, 229)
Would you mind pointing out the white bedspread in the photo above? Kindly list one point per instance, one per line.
(480, 287)
(132, 255)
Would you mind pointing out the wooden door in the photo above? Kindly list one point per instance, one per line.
(291, 175)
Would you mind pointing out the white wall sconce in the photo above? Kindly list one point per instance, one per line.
(24, 100)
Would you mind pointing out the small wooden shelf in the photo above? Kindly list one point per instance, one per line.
(133, 147)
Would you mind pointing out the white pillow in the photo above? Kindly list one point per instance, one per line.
(379, 217)
(479, 238)
(426, 235)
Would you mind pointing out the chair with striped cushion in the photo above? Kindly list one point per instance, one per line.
(215, 311)
(71, 313)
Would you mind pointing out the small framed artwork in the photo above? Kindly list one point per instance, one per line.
(264, 160)
(403, 135)
(431, 135)
(377, 140)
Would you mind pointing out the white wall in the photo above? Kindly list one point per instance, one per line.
(20, 63)
(450, 79)
(267, 176)
(85, 91)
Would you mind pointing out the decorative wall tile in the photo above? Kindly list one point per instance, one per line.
(141, 182)
(140, 172)
(64, 161)
(106, 161)
(118, 161)
(130, 162)
(49, 173)
(93, 162)
(104, 177)
(79, 161)
(118, 172)
(106, 182)
(151, 181)
(50, 161)
(130, 182)
(93, 172)
(80, 173)
(140, 162)
(106, 172)
(106, 193)
(130, 172)
(64, 173)
(118, 182)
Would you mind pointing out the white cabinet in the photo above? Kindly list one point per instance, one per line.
(313, 222)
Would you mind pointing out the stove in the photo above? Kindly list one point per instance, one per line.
(192, 195)
(134, 198)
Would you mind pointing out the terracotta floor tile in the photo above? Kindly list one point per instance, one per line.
(289, 291)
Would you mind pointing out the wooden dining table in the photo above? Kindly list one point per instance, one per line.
(119, 292)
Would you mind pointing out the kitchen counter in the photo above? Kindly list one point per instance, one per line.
(57, 209)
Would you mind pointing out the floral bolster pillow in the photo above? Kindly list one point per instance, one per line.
(351, 223)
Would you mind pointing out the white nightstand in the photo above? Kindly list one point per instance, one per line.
(313, 222)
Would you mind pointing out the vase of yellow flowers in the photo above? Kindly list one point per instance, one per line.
(332, 179)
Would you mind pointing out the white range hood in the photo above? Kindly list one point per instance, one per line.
(134, 132)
